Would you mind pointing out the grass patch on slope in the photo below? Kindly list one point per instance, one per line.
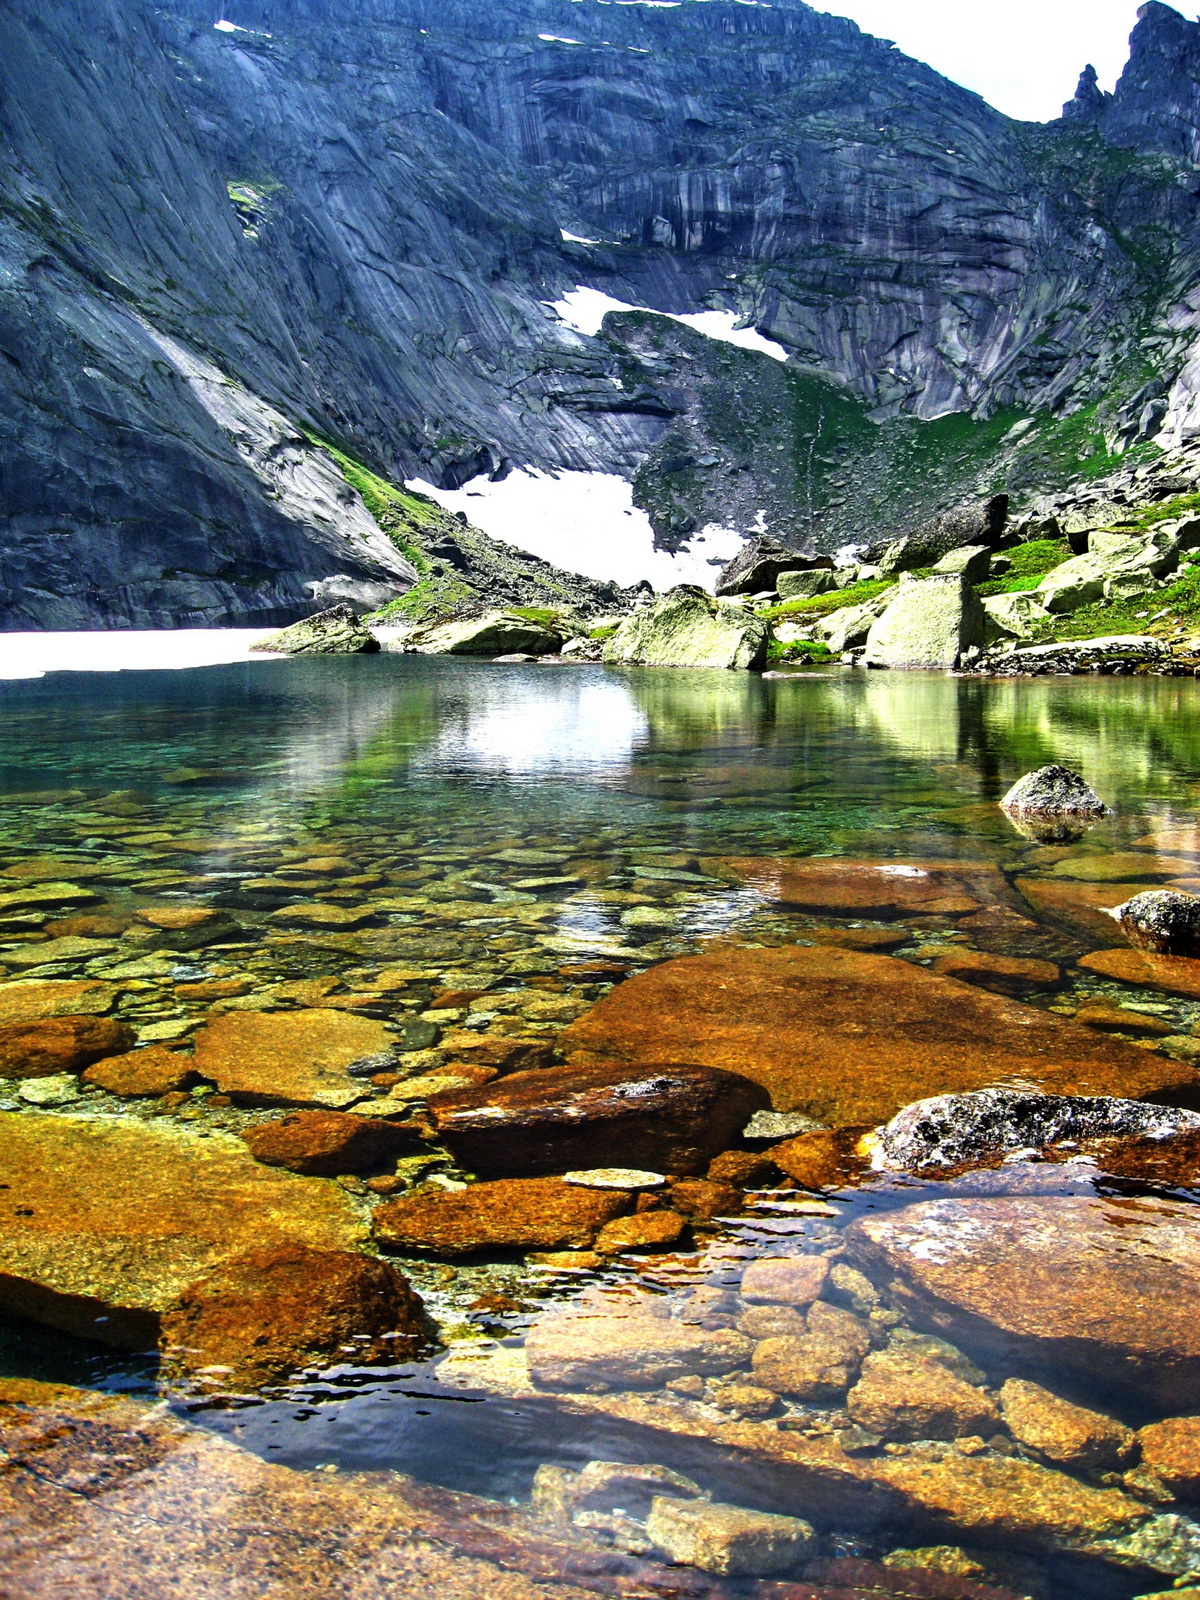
(822, 605)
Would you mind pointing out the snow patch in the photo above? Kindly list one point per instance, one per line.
(585, 309)
(554, 38)
(586, 522)
(33, 655)
(576, 238)
(232, 27)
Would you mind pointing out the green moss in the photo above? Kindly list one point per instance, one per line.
(1180, 505)
(543, 614)
(798, 650)
(425, 601)
(398, 512)
(1030, 564)
(1179, 601)
(822, 605)
(606, 632)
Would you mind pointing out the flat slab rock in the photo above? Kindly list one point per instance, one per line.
(30, 999)
(872, 888)
(512, 1214)
(296, 1058)
(667, 1118)
(849, 1037)
(105, 1220)
(1106, 1289)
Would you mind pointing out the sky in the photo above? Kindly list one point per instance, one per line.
(1024, 56)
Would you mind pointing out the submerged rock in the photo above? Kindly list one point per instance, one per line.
(1172, 974)
(586, 1350)
(727, 1540)
(1050, 794)
(901, 1396)
(955, 1130)
(1162, 920)
(818, 1365)
(850, 1038)
(1171, 1451)
(272, 1311)
(154, 1070)
(932, 622)
(1104, 1290)
(60, 1044)
(323, 1144)
(1069, 1435)
(869, 888)
(1005, 974)
(557, 1119)
(290, 1057)
(688, 628)
(513, 1214)
(336, 632)
(31, 998)
(107, 1220)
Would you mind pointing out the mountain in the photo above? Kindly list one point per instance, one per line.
(228, 236)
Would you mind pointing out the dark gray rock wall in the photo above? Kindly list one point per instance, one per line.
(347, 219)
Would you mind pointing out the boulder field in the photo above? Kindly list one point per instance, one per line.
(850, 1037)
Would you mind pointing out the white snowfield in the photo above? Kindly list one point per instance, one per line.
(33, 655)
(585, 309)
(585, 522)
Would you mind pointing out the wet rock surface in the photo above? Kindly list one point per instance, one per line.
(850, 1037)
(323, 1144)
(1161, 920)
(1101, 1290)
(60, 1044)
(1052, 793)
(954, 1130)
(1063, 1433)
(672, 1119)
(263, 1315)
(512, 1214)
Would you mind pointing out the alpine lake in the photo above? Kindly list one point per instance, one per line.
(743, 1381)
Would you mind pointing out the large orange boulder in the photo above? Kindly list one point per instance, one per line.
(850, 1037)
(262, 1315)
(323, 1144)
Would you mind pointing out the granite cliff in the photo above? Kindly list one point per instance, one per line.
(220, 245)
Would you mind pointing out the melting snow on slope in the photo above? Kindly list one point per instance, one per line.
(585, 522)
(32, 655)
(585, 309)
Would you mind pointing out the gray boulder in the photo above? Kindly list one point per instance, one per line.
(973, 562)
(1012, 616)
(1114, 653)
(336, 632)
(976, 522)
(931, 622)
(954, 1129)
(1052, 792)
(495, 633)
(850, 627)
(688, 628)
(1162, 920)
(805, 585)
(756, 568)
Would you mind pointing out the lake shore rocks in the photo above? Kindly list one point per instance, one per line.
(686, 627)
(324, 1144)
(259, 1316)
(665, 1118)
(60, 1044)
(290, 1057)
(492, 634)
(727, 1540)
(512, 1214)
(335, 632)
(1053, 794)
(1172, 974)
(107, 1220)
(1103, 1290)
(850, 1038)
(957, 1130)
(930, 623)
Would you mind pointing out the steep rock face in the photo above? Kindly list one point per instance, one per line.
(214, 239)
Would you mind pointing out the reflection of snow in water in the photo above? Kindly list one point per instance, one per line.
(585, 309)
(550, 723)
(585, 522)
(32, 655)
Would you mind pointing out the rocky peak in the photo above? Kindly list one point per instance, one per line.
(1156, 105)
(1091, 101)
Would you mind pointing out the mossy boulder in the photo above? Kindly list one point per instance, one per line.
(336, 632)
(932, 622)
(688, 628)
(494, 633)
